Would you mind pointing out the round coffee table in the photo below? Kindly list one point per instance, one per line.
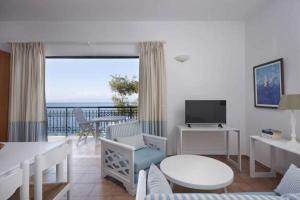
(197, 172)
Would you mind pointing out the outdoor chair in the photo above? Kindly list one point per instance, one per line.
(85, 127)
(122, 161)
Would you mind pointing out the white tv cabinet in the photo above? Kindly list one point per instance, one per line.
(197, 129)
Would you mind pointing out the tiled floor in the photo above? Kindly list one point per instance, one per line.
(88, 184)
(87, 181)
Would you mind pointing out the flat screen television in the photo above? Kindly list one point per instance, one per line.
(205, 112)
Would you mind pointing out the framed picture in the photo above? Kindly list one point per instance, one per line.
(268, 84)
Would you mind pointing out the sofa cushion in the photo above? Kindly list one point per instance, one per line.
(144, 157)
(290, 183)
(156, 182)
(137, 141)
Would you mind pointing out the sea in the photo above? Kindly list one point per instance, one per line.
(79, 104)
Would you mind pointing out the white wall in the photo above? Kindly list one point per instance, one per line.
(272, 34)
(216, 69)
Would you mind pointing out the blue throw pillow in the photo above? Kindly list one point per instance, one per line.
(290, 182)
(157, 183)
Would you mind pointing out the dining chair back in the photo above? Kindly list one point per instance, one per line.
(79, 117)
(85, 127)
(17, 178)
(56, 157)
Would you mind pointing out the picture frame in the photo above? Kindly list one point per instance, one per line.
(268, 79)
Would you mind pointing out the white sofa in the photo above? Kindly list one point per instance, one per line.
(141, 194)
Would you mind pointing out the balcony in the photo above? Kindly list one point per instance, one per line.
(61, 120)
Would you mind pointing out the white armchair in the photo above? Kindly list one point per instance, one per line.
(122, 161)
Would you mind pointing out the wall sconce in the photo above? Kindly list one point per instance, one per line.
(182, 58)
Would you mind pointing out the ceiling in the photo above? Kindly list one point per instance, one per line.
(127, 10)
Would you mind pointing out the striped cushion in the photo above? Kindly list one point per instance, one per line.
(137, 141)
(123, 130)
(157, 182)
(206, 196)
(295, 196)
(290, 182)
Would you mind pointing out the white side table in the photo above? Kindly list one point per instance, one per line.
(283, 144)
(226, 130)
(197, 172)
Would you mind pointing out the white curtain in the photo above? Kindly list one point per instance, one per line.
(27, 108)
(152, 88)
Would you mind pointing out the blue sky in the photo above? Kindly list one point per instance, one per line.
(85, 80)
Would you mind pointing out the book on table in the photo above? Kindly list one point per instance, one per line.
(271, 134)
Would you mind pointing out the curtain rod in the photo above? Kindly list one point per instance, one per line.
(88, 43)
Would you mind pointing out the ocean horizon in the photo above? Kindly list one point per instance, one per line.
(79, 104)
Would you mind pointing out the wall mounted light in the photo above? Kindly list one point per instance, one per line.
(182, 58)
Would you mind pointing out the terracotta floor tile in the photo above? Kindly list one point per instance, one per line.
(80, 190)
(101, 190)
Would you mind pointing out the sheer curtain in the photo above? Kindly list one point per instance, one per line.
(152, 88)
(27, 109)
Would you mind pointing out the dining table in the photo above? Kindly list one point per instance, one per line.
(14, 153)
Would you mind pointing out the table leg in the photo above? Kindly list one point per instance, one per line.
(177, 142)
(69, 172)
(238, 163)
(172, 185)
(225, 190)
(180, 140)
(60, 172)
(97, 131)
(227, 143)
(273, 161)
(252, 157)
(239, 150)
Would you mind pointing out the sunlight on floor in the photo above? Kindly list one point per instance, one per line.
(82, 150)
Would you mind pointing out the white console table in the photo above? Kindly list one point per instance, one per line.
(282, 144)
(202, 129)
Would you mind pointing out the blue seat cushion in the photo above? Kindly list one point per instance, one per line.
(144, 157)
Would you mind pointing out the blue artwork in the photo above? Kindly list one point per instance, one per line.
(268, 84)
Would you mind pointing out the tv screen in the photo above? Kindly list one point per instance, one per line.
(205, 111)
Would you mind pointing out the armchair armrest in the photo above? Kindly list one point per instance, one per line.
(117, 159)
(156, 142)
(117, 144)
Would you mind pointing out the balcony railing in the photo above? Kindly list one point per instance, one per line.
(61, 120)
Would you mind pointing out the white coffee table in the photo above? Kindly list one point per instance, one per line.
(197, 172)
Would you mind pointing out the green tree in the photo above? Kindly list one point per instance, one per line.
(123, 87)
